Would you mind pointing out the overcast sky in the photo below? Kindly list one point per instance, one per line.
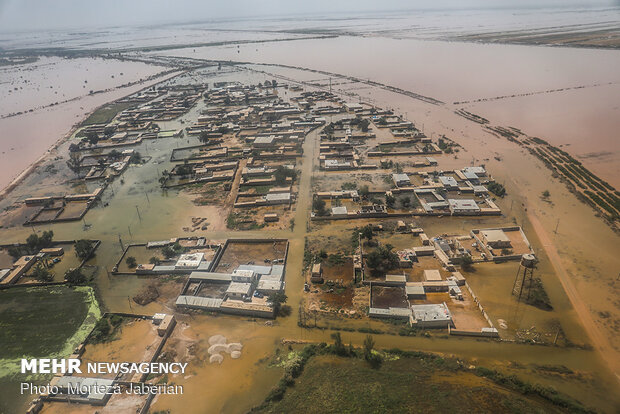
(27, 15)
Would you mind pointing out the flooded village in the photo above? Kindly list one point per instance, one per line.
(268, 224)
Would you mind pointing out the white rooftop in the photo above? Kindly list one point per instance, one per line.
(239, 288)
(470, 205)
(431, 312)
(495, 235)
(189, 261)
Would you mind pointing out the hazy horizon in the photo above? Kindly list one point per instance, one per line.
(38, 15)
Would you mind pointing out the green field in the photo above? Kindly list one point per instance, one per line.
(106, 113)
(39, 322)
(332, 384)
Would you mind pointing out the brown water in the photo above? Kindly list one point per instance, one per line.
(239, 384)
(25, 138)
(585, 118)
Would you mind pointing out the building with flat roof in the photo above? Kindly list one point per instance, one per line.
(340, 211)
(448, 182)
(432, 275)
(401, 180)
(264, 141)
(238, 290)
(495, 238)
(280, 198)
(189, 261)
(415, 290)
(467, 207)
(436, 315)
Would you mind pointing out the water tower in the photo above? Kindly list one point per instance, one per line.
(525, 275)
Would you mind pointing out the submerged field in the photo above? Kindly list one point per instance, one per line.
(55, 320)
(428, 384)
(52, 317)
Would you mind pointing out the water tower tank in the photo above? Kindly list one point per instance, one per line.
(528, 260)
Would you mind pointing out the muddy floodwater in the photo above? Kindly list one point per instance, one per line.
(566, 96)
(51, 101)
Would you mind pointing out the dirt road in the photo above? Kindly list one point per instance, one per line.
(599, 341)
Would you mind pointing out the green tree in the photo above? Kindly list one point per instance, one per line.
(467, 262)
(318, 205)
(364, 192)
(36, 243)
(282, 173)
(277, 300)
(369, 344)
(136, 158)
(168, 252)
(367, 232)
(131, 262)
(497, 189)
(546, 194)
(155, 261)
(204, 136)
(42, 274)
(373, 358)
(92, 138)
(339, 347)
(84, 249)
(364, 124)
(75, 162)
(75, 276)
(390, 200)
(15, 252)
(381, 260)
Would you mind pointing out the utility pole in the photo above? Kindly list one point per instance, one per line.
(129, 228)
(147, 197)
(138, 210)
(121, 242)
(556, 227)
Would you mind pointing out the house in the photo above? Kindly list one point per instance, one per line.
(189, 261)
(20, 267)
(406, 258)
(271, 217)
(239, 290)
(268, 286)
(449, 183)
(340, 211)
(119, 136)
(4, 273)
(242, 275)
(432, 275)
(478, 171)
(401, 180)
(497, 239)
(395, 280)
(333, 164)
(415, 290)
(166, 324)
(431, 316)
(317, 273)
(463, 207)
(281, 198)
(261, 142)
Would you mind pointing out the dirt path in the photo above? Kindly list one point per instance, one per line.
(599, 341)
